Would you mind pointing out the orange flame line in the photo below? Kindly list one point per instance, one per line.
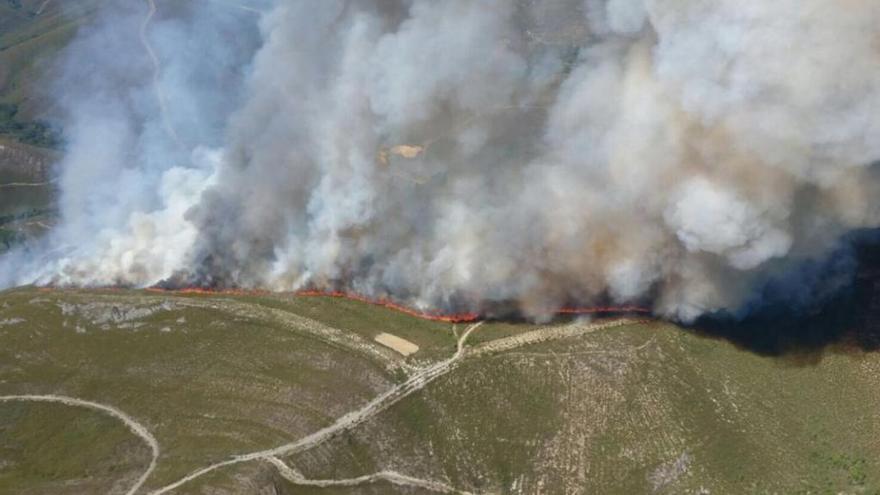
(387, 303)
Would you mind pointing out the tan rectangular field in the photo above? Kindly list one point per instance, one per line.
(400, 345)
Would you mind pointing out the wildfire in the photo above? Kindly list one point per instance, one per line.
(448, 318)
(603, 309)
(210, 292)
(383, 302)
(387, 303)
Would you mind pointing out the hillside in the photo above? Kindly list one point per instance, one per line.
(27, 194)
(31, 33)
(301, 389)
(552, 152)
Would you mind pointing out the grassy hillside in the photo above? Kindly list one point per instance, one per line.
(639, 408)
(27, 196)
(31, 33)
(52, 448)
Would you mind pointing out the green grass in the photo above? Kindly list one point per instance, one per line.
(644, 408)
(25, 210)
(45, 446)
(606, 413)
(25, 203)
(8, 238)
(435, 339)
(28, 45)
(34, 133)
(499, 329)
(217, 384)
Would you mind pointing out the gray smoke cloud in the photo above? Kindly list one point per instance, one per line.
(461, 154)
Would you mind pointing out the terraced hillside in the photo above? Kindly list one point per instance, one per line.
(27, 194)
(290, 395)
(31, 33)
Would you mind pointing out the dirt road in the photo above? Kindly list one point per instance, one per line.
(132, 424)
(416, 382)
(393, 477)
(157, 73)
(25, 184)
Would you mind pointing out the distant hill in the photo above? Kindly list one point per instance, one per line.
(31, 33)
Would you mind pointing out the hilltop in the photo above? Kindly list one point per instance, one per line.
(284, 394)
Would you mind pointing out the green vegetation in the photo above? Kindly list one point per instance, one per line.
(435, 339)
(31, 213)
(23, 224)
(641, 408)
(644, 408)
(32, 32)
(35, 133)
(8, 238)
(25, 203)
(209, 378)
(45, 446)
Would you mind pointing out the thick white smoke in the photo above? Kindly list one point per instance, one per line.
(465, 154)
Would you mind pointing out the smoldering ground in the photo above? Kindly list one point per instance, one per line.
(461, 154)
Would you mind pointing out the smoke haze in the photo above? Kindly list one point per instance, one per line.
(461, 154)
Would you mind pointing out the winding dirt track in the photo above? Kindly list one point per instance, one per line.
(414, 383)
(348, 421)
(547, 333)
(132, 424)
(393, 477)
(157, 73)
(25, 184)
(239, 6)
(385, 400)
(42, 7)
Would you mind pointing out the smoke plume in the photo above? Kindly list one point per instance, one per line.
(465, 154)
